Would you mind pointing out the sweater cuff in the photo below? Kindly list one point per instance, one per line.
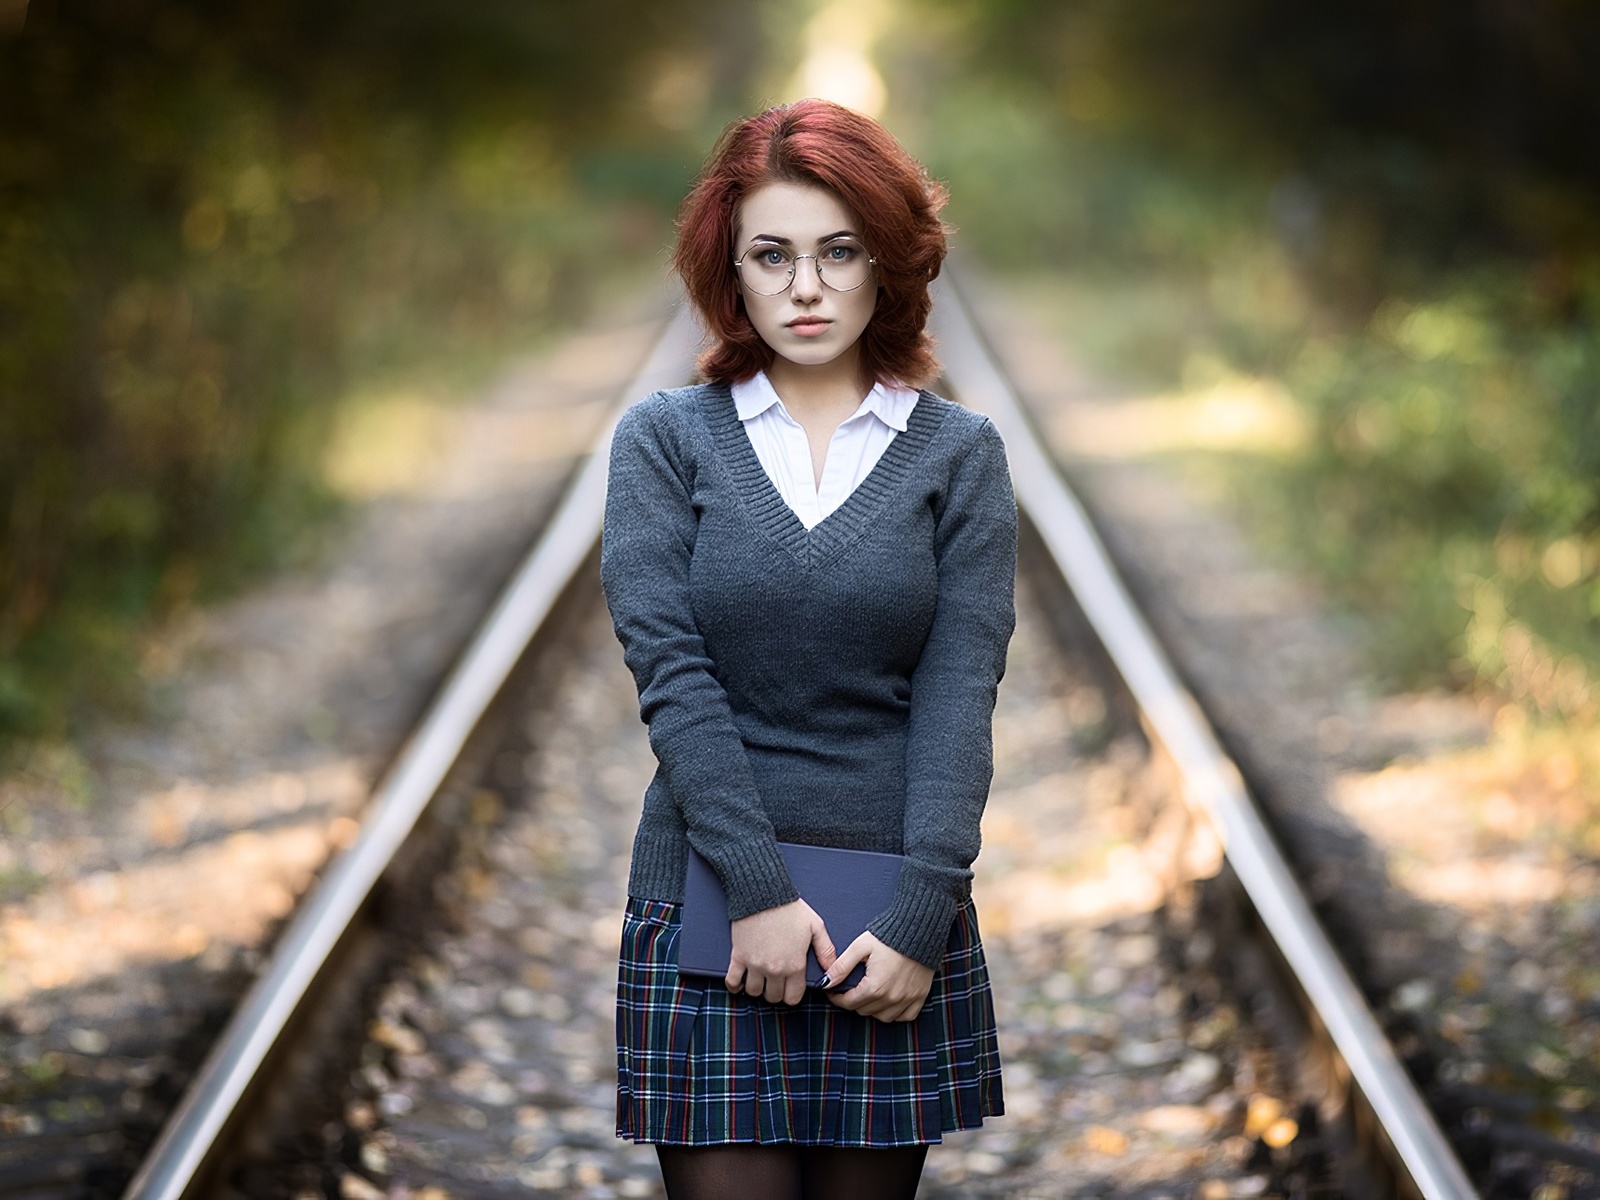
(754, 877)
(918, 923)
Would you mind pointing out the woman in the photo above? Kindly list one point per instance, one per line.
(809, 565)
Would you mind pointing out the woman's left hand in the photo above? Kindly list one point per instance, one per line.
(893, 988)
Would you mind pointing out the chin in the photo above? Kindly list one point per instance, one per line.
(816, 351)
(811, 354)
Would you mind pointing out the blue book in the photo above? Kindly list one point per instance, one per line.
(848, 888)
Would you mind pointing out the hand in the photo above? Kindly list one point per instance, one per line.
(894, 987)
(769, 951)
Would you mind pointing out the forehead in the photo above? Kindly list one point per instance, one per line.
(800, 212)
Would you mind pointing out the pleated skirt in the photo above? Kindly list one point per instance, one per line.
(698, 1065)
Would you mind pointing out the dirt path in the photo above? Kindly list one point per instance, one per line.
(152, 899)
(1451, 851)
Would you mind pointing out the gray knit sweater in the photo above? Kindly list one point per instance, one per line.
(835, 686)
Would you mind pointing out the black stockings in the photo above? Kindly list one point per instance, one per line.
(786, 1172)
(857, 1173)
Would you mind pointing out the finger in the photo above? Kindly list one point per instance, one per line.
(734, 979)
(889, 1009)
(844, 964)
(794, 990)
(773, 991)
(896, 1008)
(822, 946)
(903, 1012)
(878, 1006)
(852, 999)
(754, 982)
(869, 1000)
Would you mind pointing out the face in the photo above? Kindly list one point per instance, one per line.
(810, 324)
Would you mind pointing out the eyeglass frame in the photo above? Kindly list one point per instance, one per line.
(738, 267)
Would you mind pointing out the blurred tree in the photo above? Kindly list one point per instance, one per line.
(1391, 209)
(1468, 125)
(211, 213)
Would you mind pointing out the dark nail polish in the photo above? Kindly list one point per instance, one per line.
(825, 981)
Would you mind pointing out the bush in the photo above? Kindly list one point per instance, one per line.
(1436, 323)
(215, 220)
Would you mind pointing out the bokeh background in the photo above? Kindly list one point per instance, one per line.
(1359, 239)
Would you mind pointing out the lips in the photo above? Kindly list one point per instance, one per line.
(808, 326)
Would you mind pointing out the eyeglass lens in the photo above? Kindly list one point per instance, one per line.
(768, 268)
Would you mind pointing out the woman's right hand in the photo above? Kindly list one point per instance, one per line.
(769, 951)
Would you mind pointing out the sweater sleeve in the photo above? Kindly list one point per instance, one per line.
(648, 538)
(950, 742)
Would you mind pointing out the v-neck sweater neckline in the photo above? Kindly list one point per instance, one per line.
(854, 515)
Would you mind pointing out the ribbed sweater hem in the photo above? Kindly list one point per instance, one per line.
(918, 923)
(753, 875)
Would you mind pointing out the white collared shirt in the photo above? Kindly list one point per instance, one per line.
(857, 445)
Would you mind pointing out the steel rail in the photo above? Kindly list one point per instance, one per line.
(1210, 776)
(187, 1140)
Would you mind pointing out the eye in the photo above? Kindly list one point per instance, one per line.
(842, 252)
(768, 256)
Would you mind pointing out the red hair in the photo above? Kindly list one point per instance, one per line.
(889, 192)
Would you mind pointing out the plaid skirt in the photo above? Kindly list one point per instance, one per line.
(698, 1065)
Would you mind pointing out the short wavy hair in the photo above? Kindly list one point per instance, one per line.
(888, 191)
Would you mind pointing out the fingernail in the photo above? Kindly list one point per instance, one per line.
(825, 981)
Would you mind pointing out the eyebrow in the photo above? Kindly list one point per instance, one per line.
(783, 241)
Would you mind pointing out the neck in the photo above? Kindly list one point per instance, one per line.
(822, 387)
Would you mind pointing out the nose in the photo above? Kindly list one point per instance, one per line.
(807, 283)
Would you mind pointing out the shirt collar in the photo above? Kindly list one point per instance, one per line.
(753, 396)
(890, 403)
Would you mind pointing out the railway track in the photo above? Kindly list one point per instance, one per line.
(435, 1019)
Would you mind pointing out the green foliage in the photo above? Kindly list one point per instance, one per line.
(215, 221)
(1437, 324)
(1448, 118)
(1450, 489)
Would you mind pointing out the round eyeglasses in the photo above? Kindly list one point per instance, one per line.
(767, 268)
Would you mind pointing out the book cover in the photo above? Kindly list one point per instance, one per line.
(848, 889)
